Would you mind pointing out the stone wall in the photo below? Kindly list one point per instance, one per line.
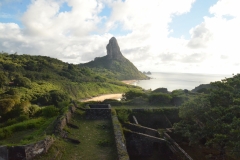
(98, 113)
(62, 121)
(141, 129)
(25, 152)
(106, 106)
(178, 150)
(28, 152)
(3, 153)
(154, 118)
(142, 145)
(119, 139)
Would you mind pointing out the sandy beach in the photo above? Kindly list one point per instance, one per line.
(109, 96)
(103, 97)
(129, 81)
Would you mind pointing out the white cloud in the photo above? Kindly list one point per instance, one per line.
(81, 34)
(226, 7)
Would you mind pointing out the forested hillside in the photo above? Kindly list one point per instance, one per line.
(41, 80)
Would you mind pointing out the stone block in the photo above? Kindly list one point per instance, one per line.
(3, 153)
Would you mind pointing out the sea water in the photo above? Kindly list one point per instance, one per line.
(173, 81)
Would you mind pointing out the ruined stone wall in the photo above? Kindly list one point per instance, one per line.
(142, 129)
(26, 152)
(177, 148)
(119, 139)
(98, 113)
(3, 153)
(106, 106)
(142, 145)
(156, 118)
(62, 121)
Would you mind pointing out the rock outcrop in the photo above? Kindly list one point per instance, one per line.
(115, 62)
(113, 50)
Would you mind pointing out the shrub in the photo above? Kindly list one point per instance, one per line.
(132, 94)
(22, 82)
(58, 97)
(33, 109)
(22, 118)
(50, 111)
(5, 133)
(6, 105)
(160, 98)
(123, 115)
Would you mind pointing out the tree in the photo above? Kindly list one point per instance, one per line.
(3, 79)
(22, 82)
(6, 105)
(160, 98)
(58, 97)
(132, 94)
(214, 118)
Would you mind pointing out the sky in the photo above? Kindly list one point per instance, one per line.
(187, 36)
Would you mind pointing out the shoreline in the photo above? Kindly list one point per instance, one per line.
(129, 81)
(116, 96)
(101, 98)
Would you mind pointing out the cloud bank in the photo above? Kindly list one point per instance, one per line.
(81, 33)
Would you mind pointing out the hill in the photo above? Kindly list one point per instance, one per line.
(34, 78)
(120, 67)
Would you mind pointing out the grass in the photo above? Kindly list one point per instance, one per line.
(96, 137)
(28, 132)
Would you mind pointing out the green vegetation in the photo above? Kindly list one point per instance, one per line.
(26, 132)
(35, 90)
(213, 119)
(121, 69)
(158, 97)
(39, 87)
(96, 137)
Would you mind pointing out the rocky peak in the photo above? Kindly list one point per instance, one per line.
(113, 50)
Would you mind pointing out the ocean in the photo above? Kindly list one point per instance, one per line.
(173, 81)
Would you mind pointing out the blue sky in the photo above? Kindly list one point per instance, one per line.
(12, 10)
(157, 35)
(181, 24)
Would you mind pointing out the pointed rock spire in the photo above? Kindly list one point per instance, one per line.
(113, 50)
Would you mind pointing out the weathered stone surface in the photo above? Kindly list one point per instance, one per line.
(119, 139)
(61, 122)
(92, 106)
(142, 145)
(16, 153)
(37, 148)
(113, 50)
(142, 129)
(98, 113)
(3, 153)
